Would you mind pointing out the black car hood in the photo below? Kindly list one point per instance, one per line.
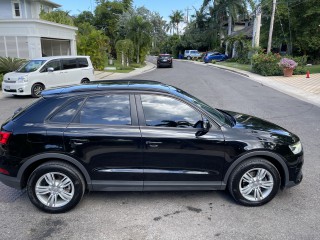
(262, 128)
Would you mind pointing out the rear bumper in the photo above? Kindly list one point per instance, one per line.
(10, 181)
(165, 64)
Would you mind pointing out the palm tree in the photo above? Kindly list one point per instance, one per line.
(140, 32)
(178, 18)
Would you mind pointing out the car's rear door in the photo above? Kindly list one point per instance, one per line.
(174, 157)
(106, 138)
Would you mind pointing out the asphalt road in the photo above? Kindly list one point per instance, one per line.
(293, 214)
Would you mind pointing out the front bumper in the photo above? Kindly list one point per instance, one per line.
(15, 88)
(297, 180)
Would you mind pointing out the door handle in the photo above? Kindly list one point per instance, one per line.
(78, 142)
(153, 144)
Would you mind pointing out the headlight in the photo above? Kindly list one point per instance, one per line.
(296, 147)
(22, 79)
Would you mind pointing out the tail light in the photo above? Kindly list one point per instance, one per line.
(4, 137)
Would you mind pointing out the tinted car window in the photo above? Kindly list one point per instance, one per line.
(66, 114)
(82, 62)
(69, 63)
(55, 64)
(109, 109)
(162, 111)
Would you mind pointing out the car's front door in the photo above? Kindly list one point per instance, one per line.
(51, 78)
(174, 157)
(105, 136)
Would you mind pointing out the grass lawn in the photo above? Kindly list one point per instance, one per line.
(119, 69)
(314, 68)
(245, 67)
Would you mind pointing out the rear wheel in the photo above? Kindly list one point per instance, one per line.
(36, 90)
(254, 182)
(55, 187)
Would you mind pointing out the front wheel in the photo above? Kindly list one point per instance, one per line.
(188, 57)
(36, 90)
(55, 187)
(254, 182)
(85, 81)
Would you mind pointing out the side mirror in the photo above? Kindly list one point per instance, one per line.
(205, 128)
(50, 69)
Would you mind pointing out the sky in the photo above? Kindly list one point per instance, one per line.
(163, 7)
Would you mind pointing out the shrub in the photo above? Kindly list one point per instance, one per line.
(266, 64)
(302, 62)
(8, 64)
(213, 61)
(1, 79)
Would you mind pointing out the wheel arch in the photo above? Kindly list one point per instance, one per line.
(273, 158)
(31, 164)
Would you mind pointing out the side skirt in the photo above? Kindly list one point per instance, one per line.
(156, 185)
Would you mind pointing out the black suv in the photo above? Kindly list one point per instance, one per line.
(141, 136)
(164, 60)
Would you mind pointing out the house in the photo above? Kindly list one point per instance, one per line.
(24, 35)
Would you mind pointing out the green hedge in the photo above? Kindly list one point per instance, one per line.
(302, 62)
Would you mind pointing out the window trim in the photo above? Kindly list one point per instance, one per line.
(14, 10)
(133, 111)
(42, 69)
(142, 119)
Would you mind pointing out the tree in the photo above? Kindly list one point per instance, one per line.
(125, 51)
(176, 18)
(93, 43)
(84, 17)
(57, 16)
(140, 32)
(107, 15)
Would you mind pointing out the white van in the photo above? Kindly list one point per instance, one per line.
(188, 54)
(46, 72)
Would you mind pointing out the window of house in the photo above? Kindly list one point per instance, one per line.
(16, 9)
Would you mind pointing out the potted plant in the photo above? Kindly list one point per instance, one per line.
(288, 65)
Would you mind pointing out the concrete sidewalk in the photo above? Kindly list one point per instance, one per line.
(102, 75)
(298, 86)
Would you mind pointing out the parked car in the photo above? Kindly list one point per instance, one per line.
(208, 57)
(135, 135)
(164, 60)
(188, 54)
(46, 72)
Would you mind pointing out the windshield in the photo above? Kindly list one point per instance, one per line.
(217, 115)
(31, 66)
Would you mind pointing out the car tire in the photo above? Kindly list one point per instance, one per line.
(188, 57)
(85, 81)
(36, 90)
(55, 187)
(254, 182)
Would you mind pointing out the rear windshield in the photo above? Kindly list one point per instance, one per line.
(31, 66)
(164, 56)
(18, 112)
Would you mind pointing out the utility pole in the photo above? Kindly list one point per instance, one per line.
(271, 25)
(256, 28)
(187, 10)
